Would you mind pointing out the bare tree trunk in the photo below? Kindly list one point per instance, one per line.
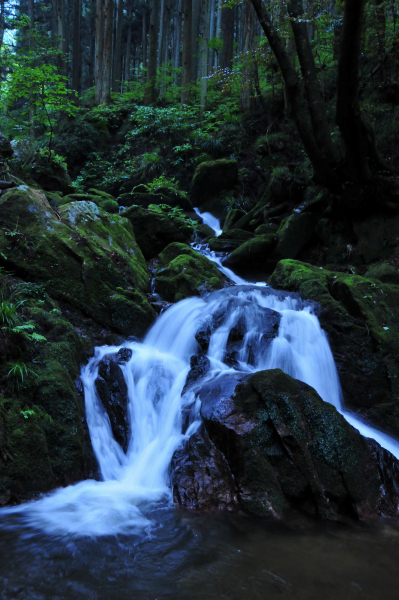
(76, 47)
(2, 22)
(144, 42)
(204, 54)
(218, 31)
(161, 37)
(381, 25)
(186, 75)
(99, 47)
(129, 39)
(248, 38)
(92, 39)
(32, 111)
(150, 94)
(196, 19)
(177, 38)
(226, 57)
(117, 70)
(107, 54)
(212, 32)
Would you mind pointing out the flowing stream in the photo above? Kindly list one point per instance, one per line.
(134, 495)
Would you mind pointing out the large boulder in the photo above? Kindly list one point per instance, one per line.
(377, 236)
(361, 319)
(230, 240)
(287, 449)
(294, 234)
(156, 227)
(253, 255)
(182, 273)
(211, 177)
(51, 176)
(82, 256)
(145, 198)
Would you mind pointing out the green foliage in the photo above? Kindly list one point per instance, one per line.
(17, 375)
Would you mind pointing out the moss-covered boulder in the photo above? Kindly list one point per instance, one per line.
(104, 201)
(211, 177)
(162, 196)
(294, 234)
(182, 273)
(229, 240)
(361, 318)
(156, 227)
(383, 272)
(253, 254)
(51, 176)
(233, 216)
(377, 236)
(82, 256)
(288, 449)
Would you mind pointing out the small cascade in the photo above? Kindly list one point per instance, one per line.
(248, 328)
(210, 220)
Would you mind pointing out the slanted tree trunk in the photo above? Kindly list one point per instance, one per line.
(227, 25)
(76, 47)
(186, 74)
(150, 94)
(99, 48)
(107, 54)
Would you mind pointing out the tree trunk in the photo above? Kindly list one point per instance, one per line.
(218, 32)
(381, 25)
(226, 55)
(144, 43)
(129, 39)
(212, 32)
(99, 48)
(150, 94)
(323, 171)
(92, 40)
(107, 54)
(2, 23)
(161, 37)
(248, 35)
(204, 54)
(186, 74)
(76, 47)
(177, 39)
(196, 52)
(314, 96)
(117, 70)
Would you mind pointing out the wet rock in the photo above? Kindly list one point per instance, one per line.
(252, 255)
(212, 177)
(112, 391)
(361, 319)
(199, 366)
(383, 272)
(155, 229)
(182, 273)
(287, 449)
(124, 355)
(200, 476)
(233, 216)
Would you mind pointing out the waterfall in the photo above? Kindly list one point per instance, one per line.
(135, 482)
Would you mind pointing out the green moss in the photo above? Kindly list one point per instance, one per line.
(252, 253)
(182, 273)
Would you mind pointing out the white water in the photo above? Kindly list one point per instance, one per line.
(210, 220)
(135, 482)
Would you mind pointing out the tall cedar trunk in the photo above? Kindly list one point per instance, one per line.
(129, 39)
(107, 54)
(204, 53)
(248, 38)
(144, 42)
(32, 111)
(2, 23)
(186, 74)
(195, 47)
(117, 70)
(323, 170)
(177, 38)
(161, 36)
(226, 55)
(92, 41)
(150, 94)
(212, 32)
(76, 47)
(314, 96)
(165, 44)
(61, 33)
(218, 31)
(99, 48)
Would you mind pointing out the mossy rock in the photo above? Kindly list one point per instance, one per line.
(233, 216)
(155, 228)
(80, 257)
(377, 237)
(252, 254)
(183, 273)
(383, 272)
(142, 199)
(361, 318)
(218, 244)
(211, 177)
(294, 234)
(95, 192)
(266, 228)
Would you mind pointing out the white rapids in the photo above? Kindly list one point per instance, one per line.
(133, 484)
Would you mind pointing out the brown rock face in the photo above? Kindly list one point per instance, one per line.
(286, 449)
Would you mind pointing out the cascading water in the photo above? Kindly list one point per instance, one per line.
(137, 481)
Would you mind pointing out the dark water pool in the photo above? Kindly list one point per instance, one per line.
(204, 557)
